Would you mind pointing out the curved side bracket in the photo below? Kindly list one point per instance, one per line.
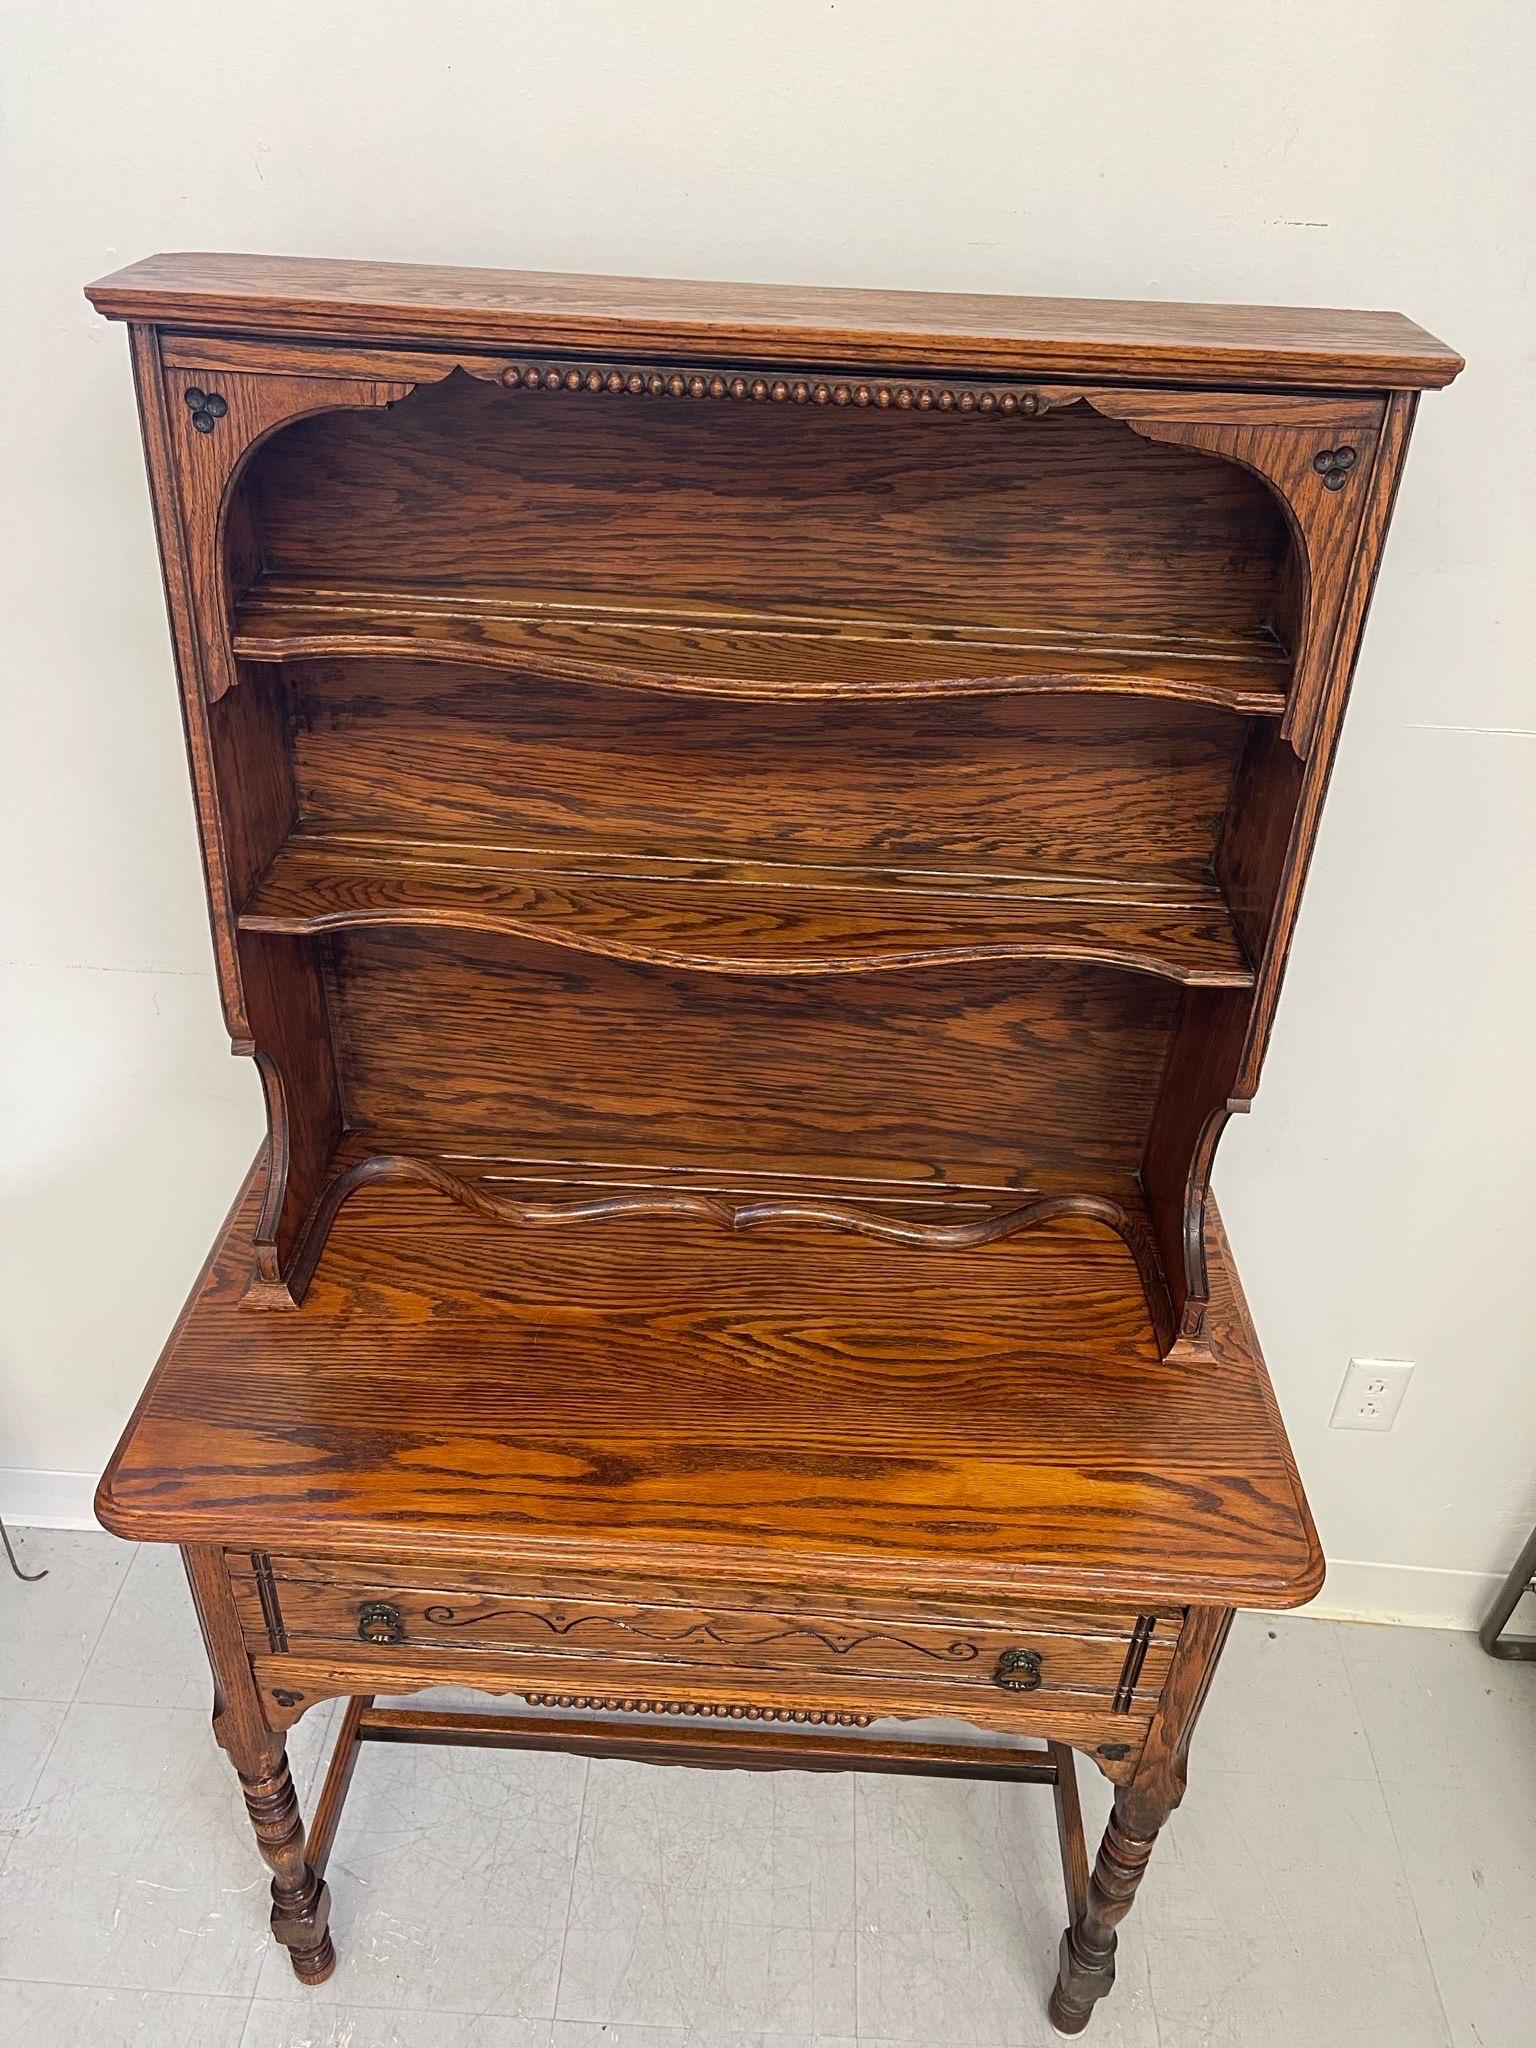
(1198, 1095)
(216, 420)
(298, 1076)
(1319, 473)
(201, 426)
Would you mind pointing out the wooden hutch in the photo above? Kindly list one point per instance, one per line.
(752, 836)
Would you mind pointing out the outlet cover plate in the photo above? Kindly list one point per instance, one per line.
(1372, 1393)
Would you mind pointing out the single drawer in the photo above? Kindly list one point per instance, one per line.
(603, 1639)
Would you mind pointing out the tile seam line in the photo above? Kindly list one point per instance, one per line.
(65, 1707)
(1402, 1861)
(250, 2007)
(96, 1642)
(570, 1891)
(133, 1990)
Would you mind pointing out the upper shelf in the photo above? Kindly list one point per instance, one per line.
(713, 650)
(752, 917)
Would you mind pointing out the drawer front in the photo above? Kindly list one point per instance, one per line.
(573, 1642)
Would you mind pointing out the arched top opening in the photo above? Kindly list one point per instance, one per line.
(768, 549)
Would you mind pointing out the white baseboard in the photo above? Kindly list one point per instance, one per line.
(1417, 1596)
(48, 1500)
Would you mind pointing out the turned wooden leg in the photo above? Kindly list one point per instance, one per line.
(301, 1902)
(1088, 1946)
(1087, 1958)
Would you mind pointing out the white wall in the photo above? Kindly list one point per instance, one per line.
(1375, 154)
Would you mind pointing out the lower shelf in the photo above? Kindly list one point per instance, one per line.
(533, 1195)
(753, 916)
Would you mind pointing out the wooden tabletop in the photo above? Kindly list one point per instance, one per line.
(1163, 342)
(794, 1402)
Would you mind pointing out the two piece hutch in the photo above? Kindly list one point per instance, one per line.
(752, 837)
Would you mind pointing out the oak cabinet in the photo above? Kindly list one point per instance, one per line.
(752, 838)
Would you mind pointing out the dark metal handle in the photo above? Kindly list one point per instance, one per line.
(1018, 1670)
(379, 1622)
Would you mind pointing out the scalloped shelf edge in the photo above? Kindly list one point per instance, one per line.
(1006, 1220)
(959, 953)
(1256, 700)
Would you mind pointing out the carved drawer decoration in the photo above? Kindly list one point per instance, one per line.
(1106, 1658)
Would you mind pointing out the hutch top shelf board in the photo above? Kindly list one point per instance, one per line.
(296, 297)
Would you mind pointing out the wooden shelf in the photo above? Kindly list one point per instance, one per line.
(753, 917)
(713, 651)
(879, 1198)
(955, 1211)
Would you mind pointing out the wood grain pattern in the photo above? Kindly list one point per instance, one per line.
(297, 1064)
(587, 1636)
(1113, 1741)
(220, 547)
(241, 779)
(1142, 1806)
(1325, 503)
(816, 1411)
(714, 651)
(747, 918)
(300, 1899)
(1102, 789)
(1019, 1081)
(745, 1598)
(1380, 491)
(226, 889)
(183, 349)
(1158, 545)
(1073, 520)
(632, 677)
(1200, 344)
(500, 1197)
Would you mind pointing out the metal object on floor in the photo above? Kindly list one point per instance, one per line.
(1522, 1580)
(30, 1577)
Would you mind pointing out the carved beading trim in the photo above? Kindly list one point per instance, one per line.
(663, 380)
(709, 1710)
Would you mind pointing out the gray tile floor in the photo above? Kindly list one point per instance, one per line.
(1355, 1864)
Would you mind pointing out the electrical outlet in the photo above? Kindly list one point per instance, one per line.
(1372, 1393)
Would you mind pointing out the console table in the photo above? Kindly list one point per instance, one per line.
(752, 837)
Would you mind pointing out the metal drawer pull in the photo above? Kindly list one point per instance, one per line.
(1018, 1670)
(379, 1622)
